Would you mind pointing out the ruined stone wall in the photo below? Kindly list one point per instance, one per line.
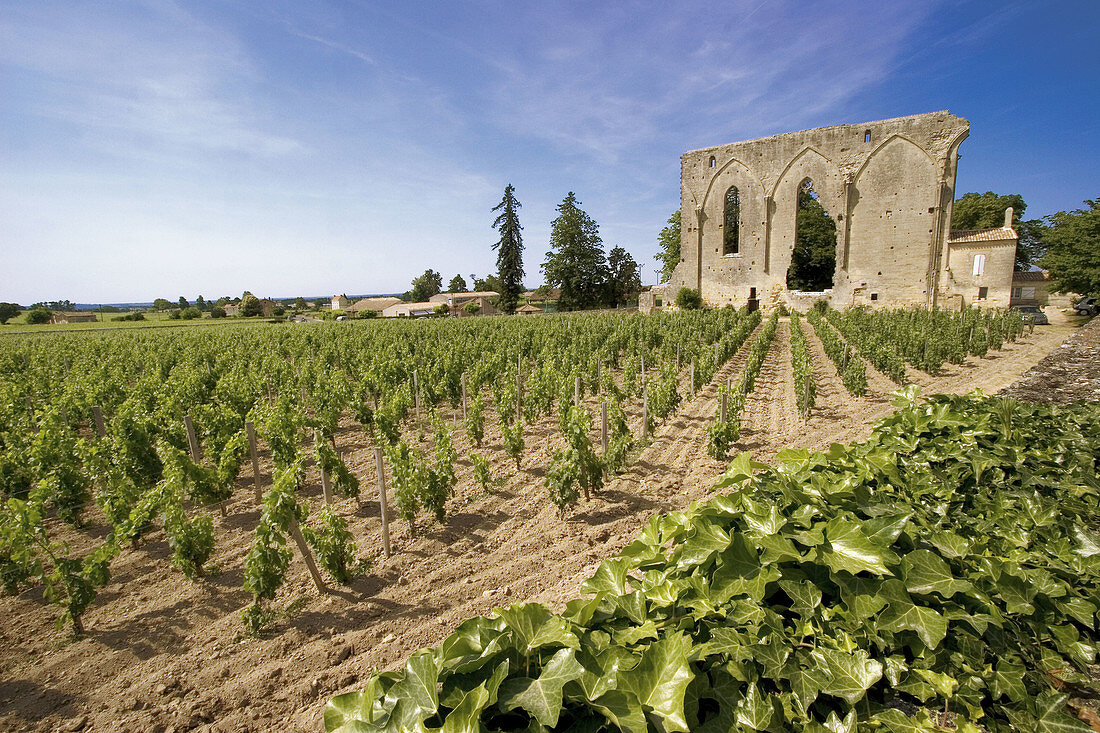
(889, 185)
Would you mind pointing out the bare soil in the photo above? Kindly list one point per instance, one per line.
(162, 653)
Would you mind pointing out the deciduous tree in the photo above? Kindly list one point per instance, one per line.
(576, 262)
(813, 260)
(509, 250)
(987, 210)
(9, 311)
(668, 240)
(624, 279)
(1073, 250)
(250, 306)
(457, 284)
(425, 286)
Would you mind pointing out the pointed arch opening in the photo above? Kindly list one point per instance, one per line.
(731, 222)
(813, 260)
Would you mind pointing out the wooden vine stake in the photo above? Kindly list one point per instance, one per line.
(806, 384)
(307, 556)
(463, 396)
(251, 431)
(603, 428)
(97, 415)
(192, 439)
(645, 416)
(677, 357)
(577, 391)
(326, 484)
(691, 375)
(519, 388)
(416, 396)
(383, 509)
(725, 400)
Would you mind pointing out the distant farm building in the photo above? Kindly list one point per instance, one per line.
(457, 302)
(1030, 288)
(378, 305)
(883, 190)
(73, 317)
(410, 310)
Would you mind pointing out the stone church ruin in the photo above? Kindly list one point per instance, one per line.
(852, 214)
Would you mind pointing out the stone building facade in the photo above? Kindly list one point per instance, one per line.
(888, 185)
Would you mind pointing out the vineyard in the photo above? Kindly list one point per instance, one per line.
(239, 470)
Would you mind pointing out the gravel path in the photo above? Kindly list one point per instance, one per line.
(1068, 374)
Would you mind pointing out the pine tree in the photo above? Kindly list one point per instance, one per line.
(576, 262)
(509, 250)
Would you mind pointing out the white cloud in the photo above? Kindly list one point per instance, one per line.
(142, 74)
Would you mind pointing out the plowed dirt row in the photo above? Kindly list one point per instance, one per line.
(163, 653)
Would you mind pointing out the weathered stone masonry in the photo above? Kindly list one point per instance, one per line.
(890, 187)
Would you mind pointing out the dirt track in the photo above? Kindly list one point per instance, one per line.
(162, 652)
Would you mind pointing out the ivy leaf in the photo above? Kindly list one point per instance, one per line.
(763, 522)
(1008, 681)
(541, 697)
(623, 710)
(951, 545)
(601, 672)
(850, 549)
(534, 627)
(754, 711)
(360, 710)
(708, 540)
(836, 725)
(847, 676)
(466, 718)
(661, 679)
(1089, 543)
(804, 595)
(925, 572)
(772, 655)
(741, 469)
(930, 626)
(899, 722)
(1052, 716)
(806, 685)
(609, 578)
(417, 692)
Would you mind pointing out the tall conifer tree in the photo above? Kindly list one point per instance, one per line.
(509, 250)
(576, 262)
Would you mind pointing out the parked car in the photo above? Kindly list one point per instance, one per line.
(1087, 307)
(1032, 314)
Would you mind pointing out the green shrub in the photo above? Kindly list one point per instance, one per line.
(39, 315)
(688, 299)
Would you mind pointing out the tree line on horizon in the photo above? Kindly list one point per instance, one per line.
(1066, 244)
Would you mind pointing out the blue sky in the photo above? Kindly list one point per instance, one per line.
(156, 148)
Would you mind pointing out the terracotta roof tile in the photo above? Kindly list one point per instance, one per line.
(999, 234)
